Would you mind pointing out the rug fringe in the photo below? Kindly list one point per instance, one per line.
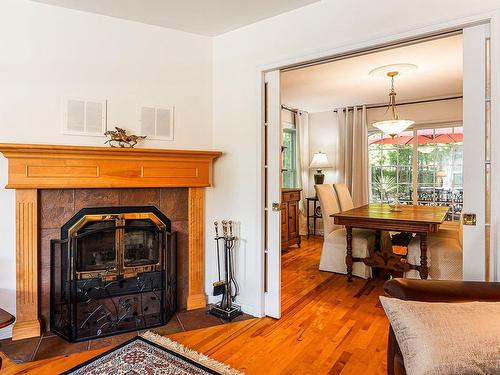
(191, 354)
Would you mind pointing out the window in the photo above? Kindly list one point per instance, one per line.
(289, 158)
(423, 166)
(390, 166)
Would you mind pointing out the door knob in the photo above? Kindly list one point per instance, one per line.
(276, 207)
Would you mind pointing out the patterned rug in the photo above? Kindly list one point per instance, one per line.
(150, 354)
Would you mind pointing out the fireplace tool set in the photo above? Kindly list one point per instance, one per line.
(225, 309)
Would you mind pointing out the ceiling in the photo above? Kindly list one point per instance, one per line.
(205, 17)
(347, 83)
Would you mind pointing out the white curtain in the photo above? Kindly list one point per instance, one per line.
(302, 162)
(351, 162)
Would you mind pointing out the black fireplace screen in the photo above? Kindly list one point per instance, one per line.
(113, 270)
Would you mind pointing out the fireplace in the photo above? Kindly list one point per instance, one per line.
(112, 271)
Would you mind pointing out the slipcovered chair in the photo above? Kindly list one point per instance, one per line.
(344, 196)
(444, 254)
(334, 245)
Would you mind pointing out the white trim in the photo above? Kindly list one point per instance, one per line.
(495, 148)
(380, 39)
(260, 231)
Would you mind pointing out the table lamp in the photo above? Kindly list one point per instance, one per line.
(319, 161)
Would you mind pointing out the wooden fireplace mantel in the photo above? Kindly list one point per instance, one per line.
(56, 167)
(33, 167)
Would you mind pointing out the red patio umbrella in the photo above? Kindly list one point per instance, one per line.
(421, 139)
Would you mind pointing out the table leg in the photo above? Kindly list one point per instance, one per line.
(424, 269)
(378, 236)
(307, 214)
(348, 257)
(314, 219)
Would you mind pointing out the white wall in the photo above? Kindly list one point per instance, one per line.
(47, 53)
(238, 57)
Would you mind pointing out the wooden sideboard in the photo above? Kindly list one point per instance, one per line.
(290, 218)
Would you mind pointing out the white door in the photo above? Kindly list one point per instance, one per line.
(475, 101)
(272, 179)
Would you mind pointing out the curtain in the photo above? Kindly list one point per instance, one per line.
(352, 153)
(302, 162)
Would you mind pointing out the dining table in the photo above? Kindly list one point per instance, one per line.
(419, 220)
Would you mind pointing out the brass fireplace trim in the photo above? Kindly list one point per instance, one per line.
(120, 270)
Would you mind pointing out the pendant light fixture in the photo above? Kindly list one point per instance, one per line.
(394, 125)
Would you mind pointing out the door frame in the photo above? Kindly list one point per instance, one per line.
(380, 41)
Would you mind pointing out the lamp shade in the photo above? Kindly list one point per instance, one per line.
(393, 127)
(320, 161)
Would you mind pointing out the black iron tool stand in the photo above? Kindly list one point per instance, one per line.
(226, 309)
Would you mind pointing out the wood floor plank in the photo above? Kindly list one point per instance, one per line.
(328, 326)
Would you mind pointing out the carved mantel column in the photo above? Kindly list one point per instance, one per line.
(27, 322)
(196, 275)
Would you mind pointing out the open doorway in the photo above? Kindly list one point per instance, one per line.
(327, 136)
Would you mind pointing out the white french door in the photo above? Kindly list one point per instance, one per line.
(476, 122)
(272, 196)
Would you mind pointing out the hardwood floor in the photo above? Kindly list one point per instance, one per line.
(327, 327)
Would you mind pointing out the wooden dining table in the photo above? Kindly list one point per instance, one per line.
(420, 220)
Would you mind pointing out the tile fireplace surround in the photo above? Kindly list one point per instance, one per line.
(53, 182)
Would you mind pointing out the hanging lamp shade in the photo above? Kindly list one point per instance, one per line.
(393, 125)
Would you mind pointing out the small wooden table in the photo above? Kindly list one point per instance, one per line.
(316, 214)
(414, 219)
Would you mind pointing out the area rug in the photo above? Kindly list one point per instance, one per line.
(151, 354)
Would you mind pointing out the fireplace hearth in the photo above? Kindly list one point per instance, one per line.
(112, 271)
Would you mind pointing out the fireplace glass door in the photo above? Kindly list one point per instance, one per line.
(141, 242)
(96, 247)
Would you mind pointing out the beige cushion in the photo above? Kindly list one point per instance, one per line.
(444, 257)
(329, 205)
(446, 338)
(345, 198)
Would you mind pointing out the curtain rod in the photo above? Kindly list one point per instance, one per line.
(373, 106)
(284, 106)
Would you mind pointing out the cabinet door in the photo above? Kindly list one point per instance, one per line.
(293, 220)
(284, 221)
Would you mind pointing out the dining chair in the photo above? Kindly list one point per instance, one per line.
(346, 203)
(444, 254)
(344, 195)
(334, 244)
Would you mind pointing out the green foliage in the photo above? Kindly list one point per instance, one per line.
(383, 185)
